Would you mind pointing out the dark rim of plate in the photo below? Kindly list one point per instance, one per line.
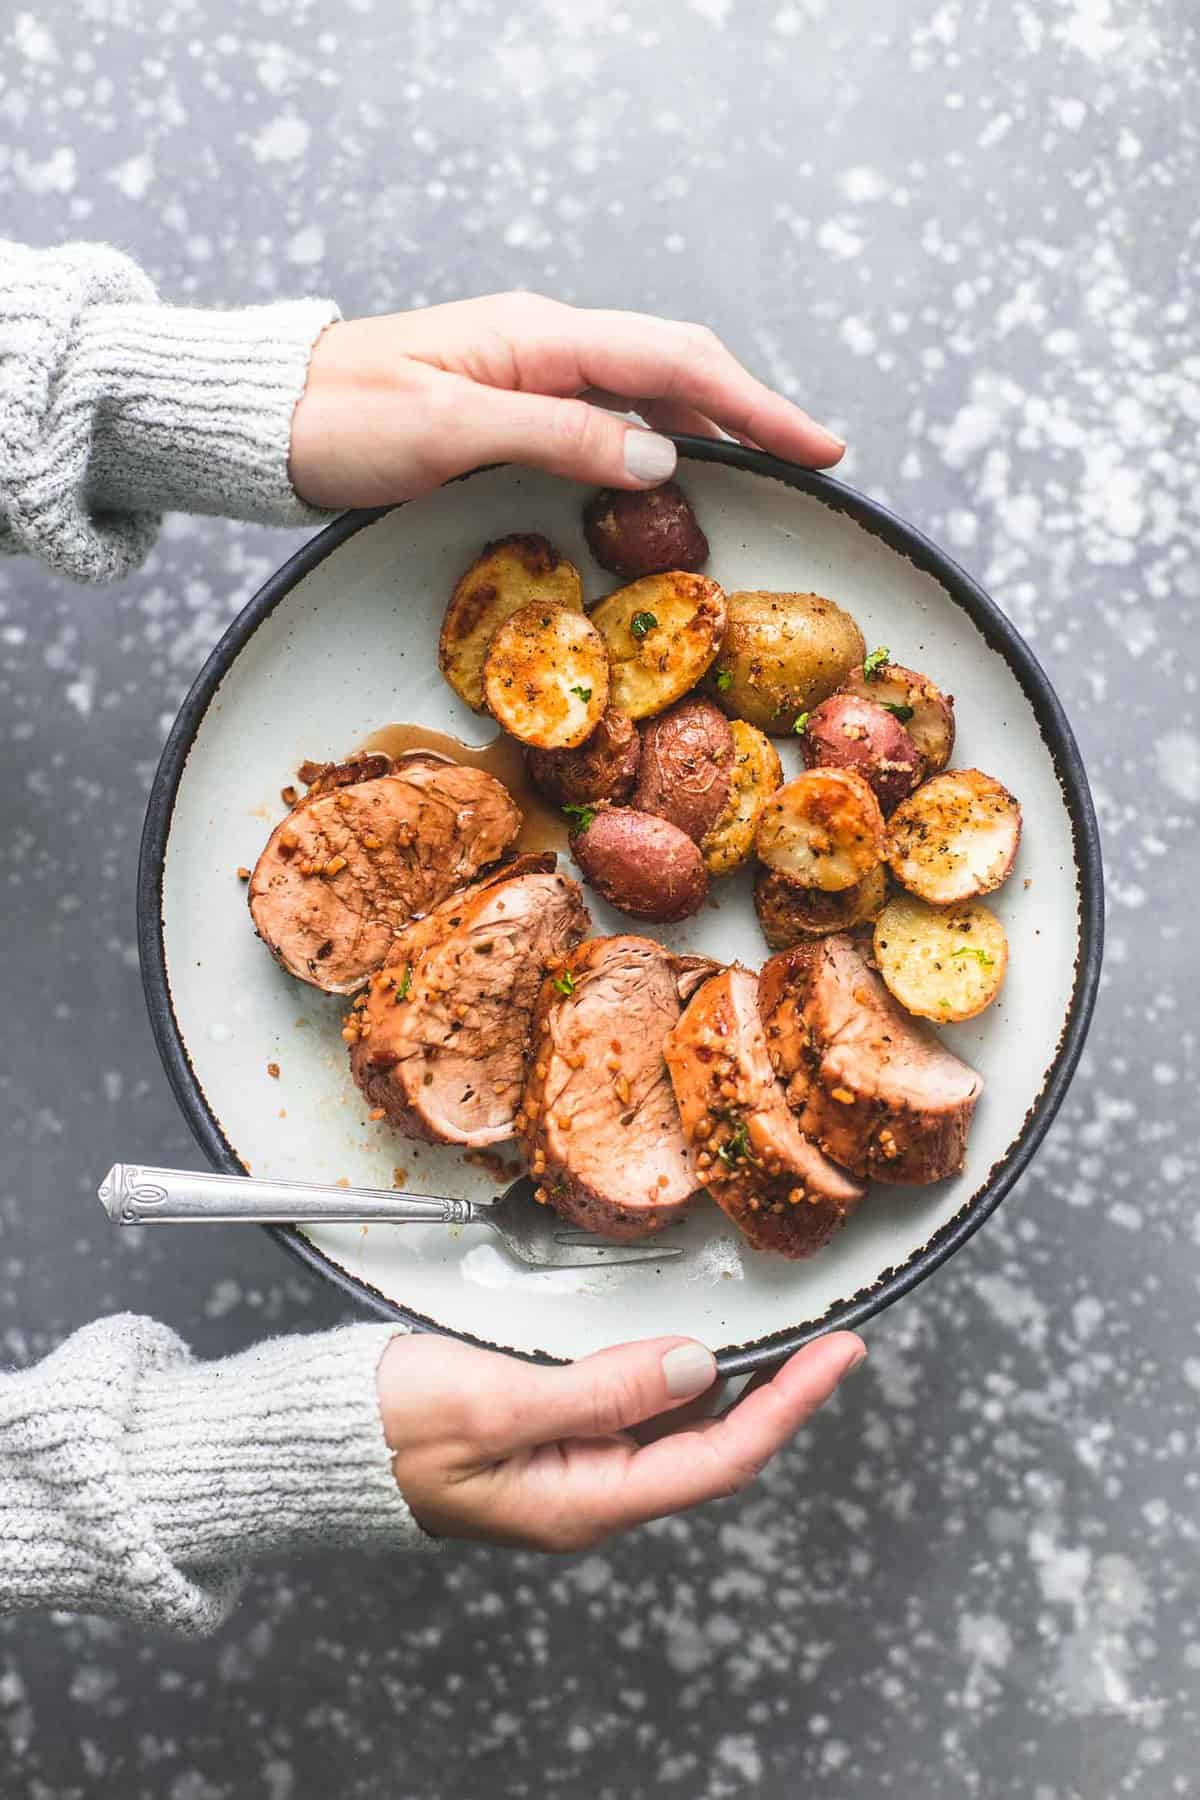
(998, 632)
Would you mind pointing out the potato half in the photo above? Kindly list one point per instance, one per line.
(508, 574)
(924, 711)
(942, 963)
(782, 654)
(822, 830)
(662, 633)
(955, 837)
(755, 775)
(789, 914)
(545, 678)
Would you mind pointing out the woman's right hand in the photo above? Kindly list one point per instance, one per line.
(543, 1458)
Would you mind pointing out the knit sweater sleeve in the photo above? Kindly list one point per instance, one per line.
(138, 1482)
(115, 408)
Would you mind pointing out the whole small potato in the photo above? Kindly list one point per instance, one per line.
(603, 768)
(644, 533)
(848, 732)
(643, 865)
(687, 761)
(789, 914)
(782, 654)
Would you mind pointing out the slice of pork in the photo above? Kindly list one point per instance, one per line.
(875, 1087)
(351, 866)
(598, 1121)
(775, 1185)
(441, 1036)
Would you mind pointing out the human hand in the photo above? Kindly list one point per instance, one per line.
(396, 405)
(544, 1458)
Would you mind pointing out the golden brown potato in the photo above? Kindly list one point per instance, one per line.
(641, 864)
(955, 837)
(755, 774)
(545, 677)
(506, 575)
(912, 699)
(848, 732)
(662, 633)
(789, 914)
(782, 655)
(605, 767)
(822, 830)
(644, 532)
(941, 962)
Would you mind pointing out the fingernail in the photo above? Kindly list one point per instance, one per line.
(854, 1362)
(688, 1369)
(649, 457)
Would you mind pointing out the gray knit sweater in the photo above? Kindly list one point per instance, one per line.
(134, 1480)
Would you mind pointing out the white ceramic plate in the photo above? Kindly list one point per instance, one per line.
(343, 641)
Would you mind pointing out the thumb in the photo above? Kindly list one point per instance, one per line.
(607, 1393)
(564, 437)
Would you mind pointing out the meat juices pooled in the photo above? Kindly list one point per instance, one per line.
(348, 868)
(776, 1186)
(440, 1038)
(598, 1121)
(874, 1086)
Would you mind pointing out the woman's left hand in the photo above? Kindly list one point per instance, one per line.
(396, 405)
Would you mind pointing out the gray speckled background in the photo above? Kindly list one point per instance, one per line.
(966, 236)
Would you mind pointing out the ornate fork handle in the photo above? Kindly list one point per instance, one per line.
(133, 1195)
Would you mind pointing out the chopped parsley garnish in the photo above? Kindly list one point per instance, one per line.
(585, 694)
(724, 680)
(981, 956)
(800, 724)
(877, 660)
(736, 1147)
(404, 985)
(903, 713)
(565, 983)
(582, 815)
(641, 623)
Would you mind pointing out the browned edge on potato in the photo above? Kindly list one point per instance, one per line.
(644, 531)
(642, 865)
(347, 869)
(788, 914)
(439, 1038)
(598, 1122)
(507, 574)
(822, 829)
(955, 837)
(604, 767)
(686, 766)
(875, 1088)
(780, 1191)
(914, 701)
(848, 732)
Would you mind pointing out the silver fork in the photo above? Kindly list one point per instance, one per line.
(132, 1194)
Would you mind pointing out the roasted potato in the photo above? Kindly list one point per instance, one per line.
(924, 711)
(545, 676)
(662, 633)
(755, 775)
(941, 962)
(782, 654)
(687, 766)
(506, 575)
(641, 864)
(955, 837)
(822, 830)
(604, 767)
(789, 914)
(847, 732)
(645, 532)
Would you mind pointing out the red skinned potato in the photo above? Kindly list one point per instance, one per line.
(914, 702)
(687, 760)
(642, 865)
(644, 533)
(605, 767)
(848, 732)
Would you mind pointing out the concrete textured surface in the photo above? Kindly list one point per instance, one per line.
(966, 236)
